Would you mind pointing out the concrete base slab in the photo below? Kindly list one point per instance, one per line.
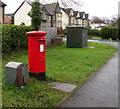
(63, 86)
(53, 83)
(90, 47)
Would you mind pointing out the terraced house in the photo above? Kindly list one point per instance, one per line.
(53, 15)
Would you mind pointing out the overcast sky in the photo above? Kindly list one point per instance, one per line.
(100, 8)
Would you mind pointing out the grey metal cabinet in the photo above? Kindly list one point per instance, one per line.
(16, 73)
(77, 36)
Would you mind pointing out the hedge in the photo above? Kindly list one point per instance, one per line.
(93, 32)
(114, 33)
(119, 33)
(14, 38)
(105, 32)
(109, 32)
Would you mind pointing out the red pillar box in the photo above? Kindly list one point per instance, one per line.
(36, 54)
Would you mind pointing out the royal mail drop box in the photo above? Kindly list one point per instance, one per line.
(77, 36)
(37, 54)
(16, 73)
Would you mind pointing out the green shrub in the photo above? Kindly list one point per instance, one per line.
(62, 35)
(114, 33)
(105, 32)
(65, 32)
(119, 33)
(93, 32)
(14, 38)
(109, 32)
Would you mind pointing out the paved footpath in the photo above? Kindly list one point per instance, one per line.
(101, 90)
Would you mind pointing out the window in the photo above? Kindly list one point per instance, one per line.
(44, 16)
(59, 15)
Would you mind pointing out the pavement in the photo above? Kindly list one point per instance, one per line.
(101, 90)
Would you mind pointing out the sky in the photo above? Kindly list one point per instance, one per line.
(99, 8)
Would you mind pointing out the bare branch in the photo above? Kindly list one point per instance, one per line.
(71, 3)
(65, 3)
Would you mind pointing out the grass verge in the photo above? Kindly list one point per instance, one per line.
(69, 65)
(95, 37)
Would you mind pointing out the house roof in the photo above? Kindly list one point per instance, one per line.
(51, 8)
(44, 10)
(28, 1)
(63, 9)
(99, 21)
(67, 11)
(86, 16)
(81, 14)
(76, 13)
(2, 4)
(9, 15)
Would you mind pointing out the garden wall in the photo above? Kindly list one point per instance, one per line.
(51, 33)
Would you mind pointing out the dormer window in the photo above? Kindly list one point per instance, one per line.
(78, 15)
(83, 16)
(71, 13)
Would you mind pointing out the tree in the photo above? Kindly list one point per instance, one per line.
(119, 22)
(12, 20)
(66, 3)
(36, 15)
(95, 18)
(69, 3)
(107, 20)
(113, 21)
